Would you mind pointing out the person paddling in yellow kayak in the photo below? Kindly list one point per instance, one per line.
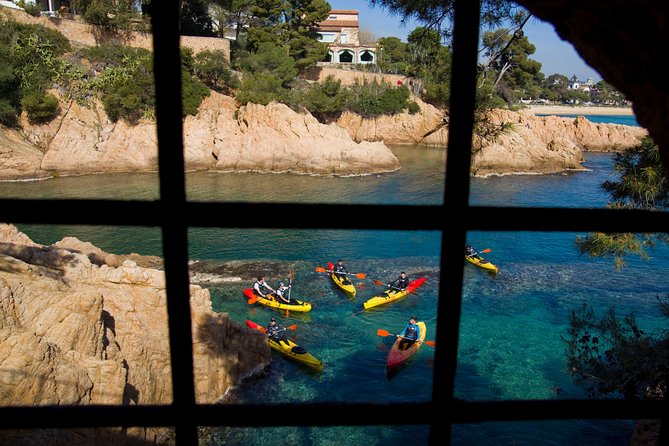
(258, 287)
(342, 272)
(275, 332)
(471, 252)
(399, 284)
(281, 293)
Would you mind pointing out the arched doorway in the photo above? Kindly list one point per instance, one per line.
(367, 56)
(346, 56)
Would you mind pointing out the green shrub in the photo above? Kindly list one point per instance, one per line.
(373, 99)
(413, 107)
(325, 99)
(193, 93)
(7, 113)
(213, 68)
(41, 107)
(261, 88)
(130, 98)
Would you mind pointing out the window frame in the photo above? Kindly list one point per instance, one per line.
(174, 215)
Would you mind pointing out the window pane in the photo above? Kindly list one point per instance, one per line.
(514, 328)
(84, 106)
(84, 320)
(336, 329)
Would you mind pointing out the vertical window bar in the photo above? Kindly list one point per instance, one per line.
(167, 72)
(456, 198)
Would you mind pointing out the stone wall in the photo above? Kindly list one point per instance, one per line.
(83, 34)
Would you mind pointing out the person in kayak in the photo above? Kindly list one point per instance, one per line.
(342, 272)
(280, 293)
(399, 284)
(471, 252)
(274, 332)
(259, 285)
(410, 334)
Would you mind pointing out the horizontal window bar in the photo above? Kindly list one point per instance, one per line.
(133, 213)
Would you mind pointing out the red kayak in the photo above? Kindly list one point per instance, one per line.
(397, 357)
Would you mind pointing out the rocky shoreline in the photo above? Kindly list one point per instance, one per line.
(254, 138)
(81, 326)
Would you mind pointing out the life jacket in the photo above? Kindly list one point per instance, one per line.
(272, 331)
(411, 332)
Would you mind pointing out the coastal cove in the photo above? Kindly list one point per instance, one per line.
(511, 343)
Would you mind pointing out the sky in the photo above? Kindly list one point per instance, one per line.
(554, 54)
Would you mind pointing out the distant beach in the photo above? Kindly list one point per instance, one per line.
(579, 110)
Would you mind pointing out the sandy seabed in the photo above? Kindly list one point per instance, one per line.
(579, 110)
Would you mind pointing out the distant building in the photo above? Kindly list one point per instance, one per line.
(341, 32)
(575, 84)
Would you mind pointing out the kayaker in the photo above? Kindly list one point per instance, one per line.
(280, 293)
(471, 252)
(399, 284)
(275, 332)
(410, 334)
(259, 285)
(341, 272)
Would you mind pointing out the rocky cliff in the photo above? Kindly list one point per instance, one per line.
(274, 138)
(81, 326)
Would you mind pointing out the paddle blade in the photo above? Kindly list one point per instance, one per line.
(286, 312)
(382, 332)
(360, 275)
(430, 343)
(378, 282)
(486, 250)
(320, 270)
(253, 300)
(292, 327)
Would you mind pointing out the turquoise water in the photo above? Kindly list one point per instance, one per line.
(512, 323)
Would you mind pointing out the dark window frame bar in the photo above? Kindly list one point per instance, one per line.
(174, 215)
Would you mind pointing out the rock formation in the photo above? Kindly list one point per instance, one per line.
(81, 326)
(274, 138)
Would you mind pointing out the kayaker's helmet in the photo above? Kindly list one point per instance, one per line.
(281, 284)
(272, 321)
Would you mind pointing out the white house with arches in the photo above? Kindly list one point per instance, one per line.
(341, 32)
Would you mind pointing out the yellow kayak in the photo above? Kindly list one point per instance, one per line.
(481, 263)
(290, 349)
(389, 296)
(294, 305)
(344, 284)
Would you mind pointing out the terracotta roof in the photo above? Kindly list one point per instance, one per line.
(344, 11)
(340, 23)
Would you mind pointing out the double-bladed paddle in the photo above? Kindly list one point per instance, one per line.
(382, 332)
(358, 275)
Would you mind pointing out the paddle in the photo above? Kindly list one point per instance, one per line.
(358, 275)
(264, 329)
(290, 283)
(382, 332)
(486, 250)
(254, 299)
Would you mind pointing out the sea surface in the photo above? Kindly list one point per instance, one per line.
(513, 323)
